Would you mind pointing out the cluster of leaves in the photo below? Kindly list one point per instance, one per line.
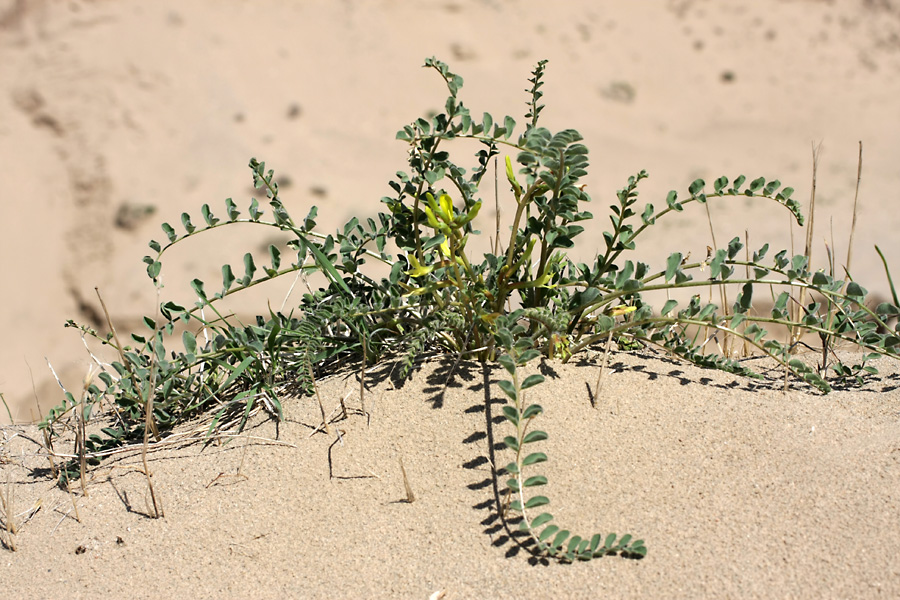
(437, 297)
(548, 538)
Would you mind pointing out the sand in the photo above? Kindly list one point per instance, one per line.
(117, 116)
(740, 490)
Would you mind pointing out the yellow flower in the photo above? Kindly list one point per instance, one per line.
(418, 270)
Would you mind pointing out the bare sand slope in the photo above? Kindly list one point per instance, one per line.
(739, 489)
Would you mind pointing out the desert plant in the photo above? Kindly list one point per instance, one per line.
(547, 538)
(524, 297)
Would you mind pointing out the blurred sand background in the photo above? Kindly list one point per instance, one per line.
(116, 116)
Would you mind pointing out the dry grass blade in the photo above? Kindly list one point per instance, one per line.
(600, 374)
(855, 207)
(8, 412)
(362, 379)
(148, 416)
(312, 378)
(125, 363)
(7, 514)
(80, 432)
(238, 475)
(496, 244)
(410, 496)
(723, 295)
(807, 251)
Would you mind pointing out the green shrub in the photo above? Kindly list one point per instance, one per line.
(523, 299)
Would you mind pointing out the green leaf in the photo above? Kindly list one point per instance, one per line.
(487, 123)
(534, 458)
(255, 213)
(547, 532)
(559, 539)
(326, 266)
(170, 232)
(208, 216)
(197, 285)
(512, 414)
(190, 342)
(715, 266)
(886, 309)
(434, 241)
(820, 278)
(535, 480)
(154, 269)
(672, 264)
(433, 176)
(231, 209)
(638, 549)
(527, 356)
(538, 521)
(574, 543)
(236, 371)
(532, 380)
(509, 124)
(275, 257)
(668, 306)
(186, 221)
(532, 410)
(508, 389)
(249, 269)
(507, 363)
(537, 501)
(534, 436)
(227, 278)
(696, 187)
(681, 277)
(856, 292)
(706, 312)
(672, 201)
(511, 443)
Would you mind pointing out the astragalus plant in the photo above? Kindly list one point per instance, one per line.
(523, 299)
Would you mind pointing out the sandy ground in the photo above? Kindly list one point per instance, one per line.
(117, 116)
(739, 489)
